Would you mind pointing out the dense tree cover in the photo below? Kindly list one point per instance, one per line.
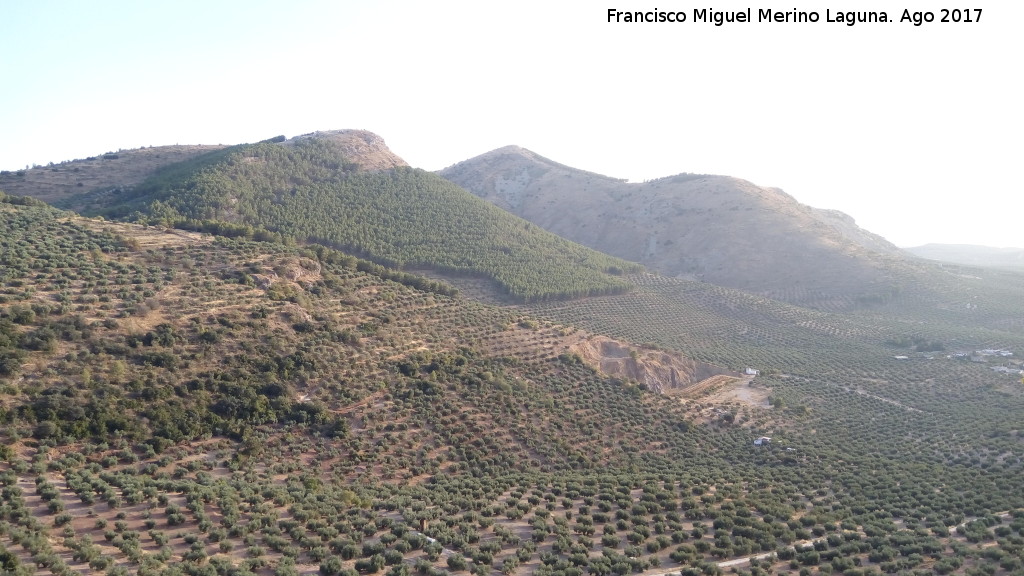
(19, 200)
(400, 217)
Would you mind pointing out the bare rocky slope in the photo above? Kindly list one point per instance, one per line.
(716, 229)
(365, 148)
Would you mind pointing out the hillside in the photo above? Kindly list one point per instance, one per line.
(199, 391)
(56, 182)
(124, 169)
(716, 229)
(969, 255)
(180, 403)
(257, 333)
(346, 189)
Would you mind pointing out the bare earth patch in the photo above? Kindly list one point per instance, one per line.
(745, 391)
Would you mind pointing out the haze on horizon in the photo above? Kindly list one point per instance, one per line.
(907, 129)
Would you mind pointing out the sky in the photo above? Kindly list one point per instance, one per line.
(915, 131)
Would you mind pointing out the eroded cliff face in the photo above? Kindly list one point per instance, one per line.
(658, 370)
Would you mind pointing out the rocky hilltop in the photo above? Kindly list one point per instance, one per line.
(362, 147)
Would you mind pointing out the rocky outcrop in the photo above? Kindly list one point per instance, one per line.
(364, 148)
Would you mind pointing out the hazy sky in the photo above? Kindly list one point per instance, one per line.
(913, 131)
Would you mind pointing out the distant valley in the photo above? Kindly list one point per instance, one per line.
(971, 255)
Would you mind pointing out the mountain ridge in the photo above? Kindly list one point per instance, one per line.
(345, 189)
(54, 183)
(718, 229)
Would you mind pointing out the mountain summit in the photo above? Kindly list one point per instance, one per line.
(717, 229)
(361, 147)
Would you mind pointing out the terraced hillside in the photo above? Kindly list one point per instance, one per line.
(178, 403)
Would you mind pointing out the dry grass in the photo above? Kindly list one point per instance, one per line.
(57, 182)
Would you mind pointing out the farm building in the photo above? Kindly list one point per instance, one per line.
(751, 372)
